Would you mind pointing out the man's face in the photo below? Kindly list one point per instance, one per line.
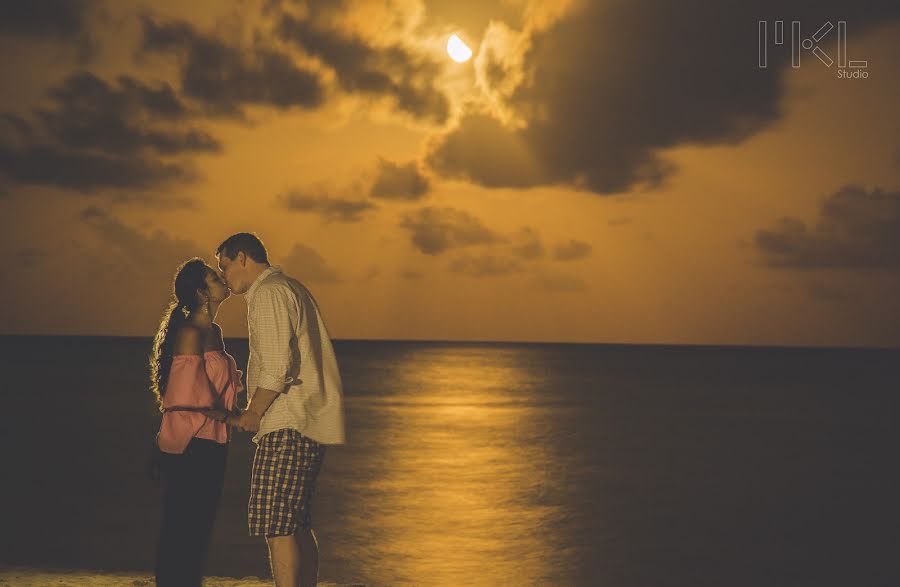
(234, 272)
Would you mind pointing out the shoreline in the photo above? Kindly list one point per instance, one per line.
(34, 577)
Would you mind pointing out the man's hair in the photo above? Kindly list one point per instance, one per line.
(243, 242)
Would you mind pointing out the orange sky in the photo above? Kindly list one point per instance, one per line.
(563, 185)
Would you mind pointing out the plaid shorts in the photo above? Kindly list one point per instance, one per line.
(282, 483)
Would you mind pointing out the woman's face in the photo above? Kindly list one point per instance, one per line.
(217, 290)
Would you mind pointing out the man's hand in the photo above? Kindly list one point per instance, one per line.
(219, 415)
(247, 421)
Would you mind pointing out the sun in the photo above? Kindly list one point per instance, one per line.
(458, 50)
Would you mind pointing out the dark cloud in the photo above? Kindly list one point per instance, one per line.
(225, 78)
(399, 181)
(572, 251)
(307, 265)
(856, 229)
(86, 172)
(59, 20)
(65, 18)
(612, 84)
(99, 136)
(526, 244)
(485, 265)
(84, 93)
(435, 230)
(360, 67)
(482, 151)
(331, 209)
(92, 114)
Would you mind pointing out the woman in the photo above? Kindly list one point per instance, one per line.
(195, 382)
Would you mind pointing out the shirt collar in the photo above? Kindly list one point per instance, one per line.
(261, 277)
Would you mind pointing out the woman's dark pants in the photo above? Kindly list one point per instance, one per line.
(193, 485)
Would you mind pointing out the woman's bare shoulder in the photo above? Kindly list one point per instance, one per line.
(189, 340)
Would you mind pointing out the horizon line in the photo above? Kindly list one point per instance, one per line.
(511, 342)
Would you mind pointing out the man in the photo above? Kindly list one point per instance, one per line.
(295, 405)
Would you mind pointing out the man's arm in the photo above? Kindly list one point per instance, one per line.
(272, 324)
(249, 420)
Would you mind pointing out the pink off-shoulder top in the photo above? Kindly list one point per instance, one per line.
(197, 381)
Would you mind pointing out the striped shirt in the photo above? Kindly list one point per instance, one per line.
(291, 353)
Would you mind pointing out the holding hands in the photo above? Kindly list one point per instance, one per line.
(245, 421)
(248, 421)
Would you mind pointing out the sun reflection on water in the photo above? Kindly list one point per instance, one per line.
(460, 492)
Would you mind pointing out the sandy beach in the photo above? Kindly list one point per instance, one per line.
(29, 577)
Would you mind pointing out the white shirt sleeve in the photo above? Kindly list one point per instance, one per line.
(272, 322)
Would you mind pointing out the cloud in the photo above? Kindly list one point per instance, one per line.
(399, 181)
(572, 251)
(86, 172)
(225, 78)
(483, 151)
(144, 264)
(411, 275)
(51, 20)
(331, 209)
(307, 265)
(363, 68)
(609, 86)
(526, 244)
(103, 275)
(619, 221)
(435, 230)
(485, 265)
(98, 136)
(138, 267)
(92, 114)
(856, 229)
(65, 18)
(155, 251)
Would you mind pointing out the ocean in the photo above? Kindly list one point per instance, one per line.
(495, 464)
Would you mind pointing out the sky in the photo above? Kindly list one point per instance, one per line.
(604, 171)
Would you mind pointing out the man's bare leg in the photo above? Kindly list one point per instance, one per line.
(294, 559)
(284, 556)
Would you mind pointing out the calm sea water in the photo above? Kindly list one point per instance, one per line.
(497, 464)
